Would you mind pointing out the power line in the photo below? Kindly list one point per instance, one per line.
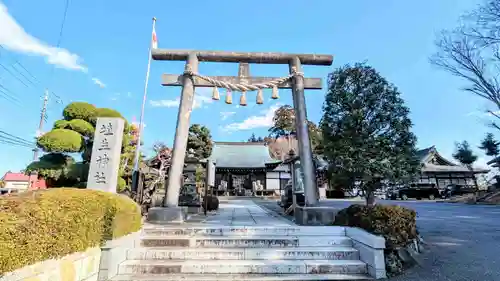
(16, 144)
(6, 136)
(13, 75)
(8, 97)
(36, 82)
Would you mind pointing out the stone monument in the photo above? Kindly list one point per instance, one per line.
(105, 161)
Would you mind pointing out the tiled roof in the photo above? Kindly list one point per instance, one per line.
(423, 153)
(240, 155)
(445, 168)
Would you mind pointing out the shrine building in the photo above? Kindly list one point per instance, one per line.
(441, 171)
(243, 167)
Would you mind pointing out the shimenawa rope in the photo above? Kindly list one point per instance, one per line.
(244, 87)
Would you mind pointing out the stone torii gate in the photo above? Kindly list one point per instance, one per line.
(242, 83)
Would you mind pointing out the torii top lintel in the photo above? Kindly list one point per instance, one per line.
(248, 57)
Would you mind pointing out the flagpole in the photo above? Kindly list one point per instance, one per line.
(135, 175)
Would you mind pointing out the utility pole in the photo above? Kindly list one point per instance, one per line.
(42, 120)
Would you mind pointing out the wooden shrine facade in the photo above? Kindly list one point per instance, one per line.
(246, 169)
(442, 172)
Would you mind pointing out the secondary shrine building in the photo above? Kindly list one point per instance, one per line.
(440, 171)
(246, 169)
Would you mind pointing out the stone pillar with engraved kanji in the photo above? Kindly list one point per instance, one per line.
(106, 151)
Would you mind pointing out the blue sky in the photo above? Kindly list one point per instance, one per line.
(107, 42)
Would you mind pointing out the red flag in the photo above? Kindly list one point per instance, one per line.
(154, 43)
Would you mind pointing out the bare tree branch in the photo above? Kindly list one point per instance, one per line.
(471, 52)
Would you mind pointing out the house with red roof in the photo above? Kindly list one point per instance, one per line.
(20, 182)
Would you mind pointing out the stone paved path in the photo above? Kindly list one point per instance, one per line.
(241, 241)
(241, 212)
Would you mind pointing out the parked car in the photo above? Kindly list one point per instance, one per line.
(456, 189)
(418, 191)
(287, 197)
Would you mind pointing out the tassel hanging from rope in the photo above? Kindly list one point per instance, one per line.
(215, 94)
(229, 98)
(260, 97)
(243, 99)
(275, 93)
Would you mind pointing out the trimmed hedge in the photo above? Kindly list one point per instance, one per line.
(45, 224)
(398, 225)
(212, 203)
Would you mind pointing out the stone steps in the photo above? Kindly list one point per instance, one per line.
(302, 253)
(258, 241)
(243, 267)
(239, 277)
(243, 231)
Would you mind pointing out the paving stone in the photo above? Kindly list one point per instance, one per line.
(242, 267)
(240, 277)
(304, 253)
(244, 230)
(242, 242)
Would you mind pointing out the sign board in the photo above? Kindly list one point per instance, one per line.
(106, 151)
(211, 173)
(298, 181)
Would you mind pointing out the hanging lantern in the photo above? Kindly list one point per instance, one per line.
(260, 97)
(215, 94)
(275, 93)
(243, 98)
(229, 98)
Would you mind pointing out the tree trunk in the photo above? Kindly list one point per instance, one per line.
(369, 195)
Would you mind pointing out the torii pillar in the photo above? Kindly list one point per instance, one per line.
(171, 211)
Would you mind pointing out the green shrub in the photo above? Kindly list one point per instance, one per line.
(79, 110)
(78, 125)
(121, 184)
(81, 185)
(396, 224)
(46, 224)
(60, 140)
(212, 203)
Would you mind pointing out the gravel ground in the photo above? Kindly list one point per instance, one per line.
(464, 240)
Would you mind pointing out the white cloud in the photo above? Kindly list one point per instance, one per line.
(226, 114)
(98, 82)
(15, 38)
(265, 119)
(164, 103)
(117, 96)
(202, 97)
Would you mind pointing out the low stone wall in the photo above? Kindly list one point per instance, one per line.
(113, 253)
(322, 215)
(371, 250)
(100, 263)
(83, 266)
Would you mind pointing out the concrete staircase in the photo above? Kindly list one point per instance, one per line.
(242, 253)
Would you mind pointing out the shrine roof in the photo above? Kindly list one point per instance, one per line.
(240, 155)
(434, 162)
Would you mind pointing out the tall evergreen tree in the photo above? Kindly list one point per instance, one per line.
(366, 130)
(464, 154)
(490, 145)
(199, 141)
